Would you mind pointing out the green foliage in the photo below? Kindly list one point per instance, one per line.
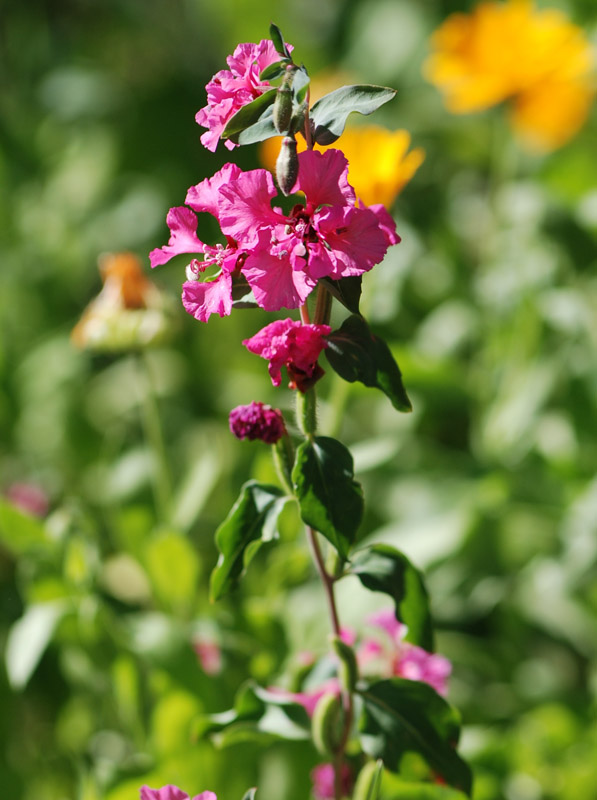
(358, 355)
(400, 716)
(382, 568)
(329, 114)
(330, 500)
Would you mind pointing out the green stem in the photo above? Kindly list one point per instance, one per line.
(152, 428)
(323, 306)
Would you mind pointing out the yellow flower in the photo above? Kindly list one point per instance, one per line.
(512, 51)
(129, 312)
(379, 164)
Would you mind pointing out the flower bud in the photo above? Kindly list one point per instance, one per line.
(347, 668)
(327, 723)
(257, 421)
(287, 165)
(368, 781)
(283, 107)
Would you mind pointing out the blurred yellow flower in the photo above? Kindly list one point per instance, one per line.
(512, 51)
(379, 164)
(129, 312)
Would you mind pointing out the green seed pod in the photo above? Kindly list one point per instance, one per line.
(368, 781)
(287, 165)
(283, 108)
(348, 671)
(327, 722)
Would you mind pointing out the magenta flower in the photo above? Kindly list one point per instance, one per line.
(257, 421)
(291, 344)
(171, 792)
(322, 778)
(230, 90)
(309, 699)
(209, 655)
(28, 498)
(397, 657)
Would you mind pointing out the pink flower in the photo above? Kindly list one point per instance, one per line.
(309, 699)
(401, 658)
(171, 792)
(209, 654)
(28, 498)
(291, 344)
(257, 421)
(322, 778)
(230, 90)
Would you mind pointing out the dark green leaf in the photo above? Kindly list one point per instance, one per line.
(273, 71)
(275, 34)
(330, 500)
(356, 354)
(329, 114)
(252, 520)
(248, 115)
(401, 716)
(346, 290)
(381, 568)
(263, 129)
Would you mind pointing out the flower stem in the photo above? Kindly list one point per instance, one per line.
(323, 306)
(326, 579)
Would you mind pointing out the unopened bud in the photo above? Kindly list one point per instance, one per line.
(327, 723)
(283, 108)
(348, 671)
(287, 165)
(369, 781)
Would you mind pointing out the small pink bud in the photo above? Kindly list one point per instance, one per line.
(257, 421)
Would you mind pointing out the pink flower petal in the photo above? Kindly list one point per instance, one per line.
(274, 281)
(205, 196)
(169, 792)
(246, 205)
(204, 299)
(183, 239)
(323, 177)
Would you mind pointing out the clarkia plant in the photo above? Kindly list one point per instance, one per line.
(298, 243)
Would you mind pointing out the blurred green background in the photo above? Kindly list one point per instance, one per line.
(489, 303)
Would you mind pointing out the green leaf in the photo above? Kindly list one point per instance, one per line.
(273, 71)
(401, 716)
(275, 35)
(356, 354)
(258, 714)
(252, 519)
(248, 115)
(263, 129)
(250, 794)
(346, 290)
(20, 532)
(382, 568)
(329, 114)
(28, 639)
(330, 500)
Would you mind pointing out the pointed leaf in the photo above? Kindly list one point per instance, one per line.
(329, 114)
(273, 71)
(275, 35)
(263, 128)
(330, 500)
(28, 638)
(382, 568)
(252, 519)
(248, 115)
(356, 354)
(250, 794)
(346, 290)
(400, 716)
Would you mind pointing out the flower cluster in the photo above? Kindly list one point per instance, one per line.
(280, 256)
(230, 90)
(257, 421)
(545, 68)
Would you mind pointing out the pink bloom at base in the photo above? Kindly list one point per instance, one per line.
(230, 90)
(171, 792)
(322, 778)
(291, 344)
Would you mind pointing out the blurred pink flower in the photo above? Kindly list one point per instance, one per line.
(209, 654)
(230, 90)
(28, 498)
(289, 343)
(322, 778)
(171, 792)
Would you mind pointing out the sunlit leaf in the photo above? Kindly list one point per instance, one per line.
(28, 639)
(329, 114)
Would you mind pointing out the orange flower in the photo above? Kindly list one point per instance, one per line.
(379, 164)
(512, 51)
(129, 312)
